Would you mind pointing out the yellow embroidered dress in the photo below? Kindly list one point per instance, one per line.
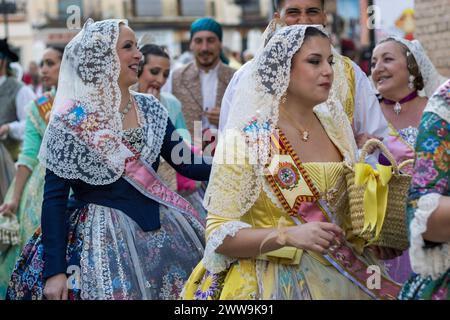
(288, 273)
(258, 181)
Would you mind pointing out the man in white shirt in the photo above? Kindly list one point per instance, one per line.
(200, 85)
(351, 85)
(14, 97)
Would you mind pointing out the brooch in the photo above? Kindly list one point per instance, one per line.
(287, 176)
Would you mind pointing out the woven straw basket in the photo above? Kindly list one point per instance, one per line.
(394, 230)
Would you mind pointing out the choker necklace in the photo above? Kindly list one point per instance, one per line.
(398, 104)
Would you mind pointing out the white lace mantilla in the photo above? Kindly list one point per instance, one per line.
(155, 123)
(234, 188)
(427, 261)
(84, 139)
(216, 262)
(440, 102)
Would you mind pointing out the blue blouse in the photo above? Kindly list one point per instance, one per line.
(120, 195)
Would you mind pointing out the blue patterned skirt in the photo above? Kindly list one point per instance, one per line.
(110, 257)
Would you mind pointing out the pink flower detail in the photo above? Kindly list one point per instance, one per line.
(424, 172)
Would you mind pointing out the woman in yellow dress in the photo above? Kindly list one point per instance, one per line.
(277, 197)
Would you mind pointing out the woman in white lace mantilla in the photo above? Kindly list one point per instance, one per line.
(123, 234)
(405, 79)
(277, 213)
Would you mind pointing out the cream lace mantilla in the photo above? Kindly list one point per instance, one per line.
(440, 102)
(243, 150)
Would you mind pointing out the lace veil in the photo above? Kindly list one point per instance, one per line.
(431, 77)
(440, 102)
(243, 150)
(84, 136)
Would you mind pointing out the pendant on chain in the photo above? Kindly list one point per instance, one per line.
(305, 136)
(397, 108)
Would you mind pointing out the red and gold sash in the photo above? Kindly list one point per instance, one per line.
(301, 199)
(44, 105)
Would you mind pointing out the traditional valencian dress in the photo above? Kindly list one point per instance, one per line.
(289, 273)
(29, 210)
(431, 181)
(284, 192)
(191, 190)
(132, 239)
(401, 142)
(122, 234)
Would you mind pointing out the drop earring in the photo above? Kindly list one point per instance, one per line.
(411, 82)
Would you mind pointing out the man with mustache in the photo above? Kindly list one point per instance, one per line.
(200, 85)
(351, 86)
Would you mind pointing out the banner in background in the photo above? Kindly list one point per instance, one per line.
(395, 18)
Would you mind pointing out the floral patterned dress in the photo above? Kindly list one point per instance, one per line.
(29, 210)
(431, 179)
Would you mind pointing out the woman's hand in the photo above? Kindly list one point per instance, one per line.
(56, 287)
(384, 253)
(4, 130)
(213, 115)
(315, 236)
(9, 208)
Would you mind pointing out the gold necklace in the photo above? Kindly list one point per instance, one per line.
(304, 133)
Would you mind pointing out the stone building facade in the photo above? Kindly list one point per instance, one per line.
(433, 31)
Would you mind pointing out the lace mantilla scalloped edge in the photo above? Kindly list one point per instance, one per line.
(216, 262)
(439, 107)
(427, 261)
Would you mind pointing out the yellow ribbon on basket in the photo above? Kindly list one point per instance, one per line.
(375, 195)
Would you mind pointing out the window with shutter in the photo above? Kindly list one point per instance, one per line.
(148, 8)
(193, 8)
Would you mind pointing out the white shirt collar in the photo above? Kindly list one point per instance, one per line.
(213, 70)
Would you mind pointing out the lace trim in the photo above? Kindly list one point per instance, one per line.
(427, 261)
(67, 149)
(216, 262)
(337, 125)
(156, 119)
(233, 188)
(273, 198)
(340, 88)
(439, 106)
(94, 236)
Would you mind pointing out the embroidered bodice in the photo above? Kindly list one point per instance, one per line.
(135, 137)
(409, 135)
